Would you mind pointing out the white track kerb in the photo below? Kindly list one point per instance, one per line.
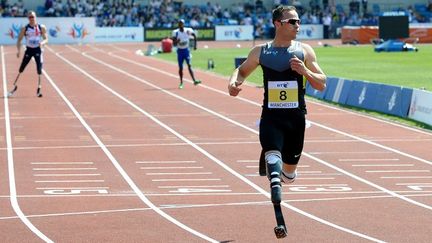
(10, 159)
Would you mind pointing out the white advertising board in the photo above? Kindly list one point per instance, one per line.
(59, 30)
(421, 106)
(234, 32)
(310, 31)
(119, 34)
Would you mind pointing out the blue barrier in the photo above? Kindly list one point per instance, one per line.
(383, 98)
(313, 92)
(344, 86)
(394, 100)
(330, 89)
(362, 94)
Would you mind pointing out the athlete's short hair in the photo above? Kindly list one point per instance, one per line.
(31, 12)
(278, 11)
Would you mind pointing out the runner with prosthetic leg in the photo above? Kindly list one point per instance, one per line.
(287, 65)
(36, 38)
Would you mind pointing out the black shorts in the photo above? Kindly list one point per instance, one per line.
(284, 132)
(29, 53)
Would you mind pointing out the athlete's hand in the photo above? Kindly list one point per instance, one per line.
(297, 65)
(18, 54)
(233, 89)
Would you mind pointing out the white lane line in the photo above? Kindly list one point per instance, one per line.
(375, 144)
(315, 185)
(235, 173)
(42, 175)
(352, 152)
(202, 186)
(186, 173)
(383, 165)
(413, 183)
(114, 161)
(264, 203)
(10, 159)
(72, 188)
(172, 168)
(247, 161)
(70, 181)
(315, 178)
(61, 163)
(57, 169)
(397, 171)
(127, 145)
(346, 160)
(406, 177)
(186, 179)
(167, 162)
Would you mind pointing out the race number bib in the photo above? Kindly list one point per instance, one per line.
(283, 94)
(34, 42)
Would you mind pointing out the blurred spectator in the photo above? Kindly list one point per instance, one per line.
(163, 13)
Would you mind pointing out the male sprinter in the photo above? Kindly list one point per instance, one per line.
(180, 38)
(285, 63)
(36, 38)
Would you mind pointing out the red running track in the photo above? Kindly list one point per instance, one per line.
(115, 152)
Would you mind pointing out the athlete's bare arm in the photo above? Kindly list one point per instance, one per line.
(18, 44)
(244, 70)
(310, 68)
(44, 36)
(195, 40)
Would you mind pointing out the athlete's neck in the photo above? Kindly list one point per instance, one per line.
(281, 43)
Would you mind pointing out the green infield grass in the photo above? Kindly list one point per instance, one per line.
(408, 69)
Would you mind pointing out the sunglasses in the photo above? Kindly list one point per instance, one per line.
(31, 17)
(290, 21)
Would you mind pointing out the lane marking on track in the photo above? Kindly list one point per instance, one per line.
(235, 173)
(179, 206)
(70, 175)
(350, 152)
(55, 169)
(127, 145)
(397, 171)
(383, 165)
(247, 161)
(10, 159)
(406, 177)
(167, 162)
(71, 188)
(254, 131)
(413, 183)
(357, 160)
(70, 181)
(178, 173)
(202, 186)
(186, 179)
(170, 168)
(62, 163)
(114, 161)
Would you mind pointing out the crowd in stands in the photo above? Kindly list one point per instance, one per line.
(165, 13)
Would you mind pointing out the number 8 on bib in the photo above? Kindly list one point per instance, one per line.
(283, 94)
